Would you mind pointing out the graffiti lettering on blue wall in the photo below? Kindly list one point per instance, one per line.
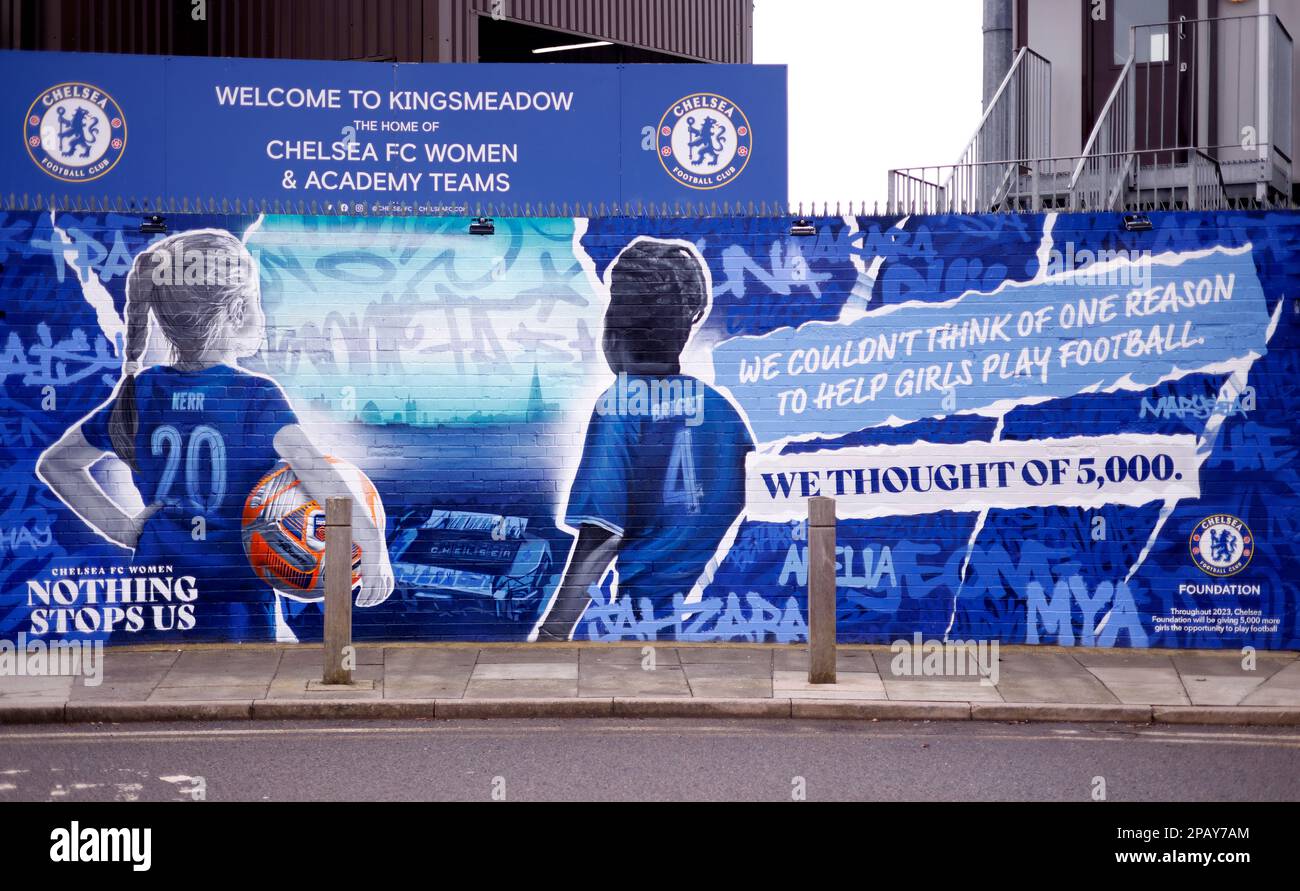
(608, 429)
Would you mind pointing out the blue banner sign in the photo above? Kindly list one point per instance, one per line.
(374, 137)
(1052, 337)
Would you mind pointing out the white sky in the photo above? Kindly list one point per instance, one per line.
(874, 85)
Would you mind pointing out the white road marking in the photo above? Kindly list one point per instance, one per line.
(1112, 733)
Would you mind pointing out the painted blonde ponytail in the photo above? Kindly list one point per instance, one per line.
(124, 422)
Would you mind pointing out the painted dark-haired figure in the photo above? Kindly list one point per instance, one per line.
(198, 432)
(662, 474)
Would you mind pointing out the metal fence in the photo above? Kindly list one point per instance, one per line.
(227, 205)
(915, 203)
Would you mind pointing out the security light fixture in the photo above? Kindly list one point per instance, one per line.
(482, 226)
(802, 227)
(1136, 222)
(571, 46)
(154, 224)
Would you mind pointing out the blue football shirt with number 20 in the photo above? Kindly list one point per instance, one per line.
(204, 440)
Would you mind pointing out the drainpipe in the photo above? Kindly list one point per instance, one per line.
(996, 143)
(998, 51)
(1264, 92)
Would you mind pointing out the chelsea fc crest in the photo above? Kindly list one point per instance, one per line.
(1222, 545)
(704, 141)
(75, 132)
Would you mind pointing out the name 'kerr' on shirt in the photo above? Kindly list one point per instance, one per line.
(187, 400)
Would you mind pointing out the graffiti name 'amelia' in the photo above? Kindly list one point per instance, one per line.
(90, 845)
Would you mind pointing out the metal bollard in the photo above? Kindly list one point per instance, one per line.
(821, 590)
(338, 588)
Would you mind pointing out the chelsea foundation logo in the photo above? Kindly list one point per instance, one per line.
(704, 141)
(1222, 545)
(75, 132)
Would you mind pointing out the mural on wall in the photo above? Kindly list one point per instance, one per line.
(1040, 429)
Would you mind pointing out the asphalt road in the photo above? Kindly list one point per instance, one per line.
(645, 760)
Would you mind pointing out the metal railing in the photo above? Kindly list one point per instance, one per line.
(1034, 185)
(1194, 91)
(1016, 124)
(1098, 177)
(970, 187)
(1281, 108)
(1206, 189)
(1199, 117)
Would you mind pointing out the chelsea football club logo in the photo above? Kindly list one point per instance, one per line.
(704, 141)
(1222, 545)
(75, 132)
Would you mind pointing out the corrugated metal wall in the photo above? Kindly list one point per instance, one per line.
(402, 30)
(712, 30)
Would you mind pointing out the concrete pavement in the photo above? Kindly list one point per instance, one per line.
(589, 680)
